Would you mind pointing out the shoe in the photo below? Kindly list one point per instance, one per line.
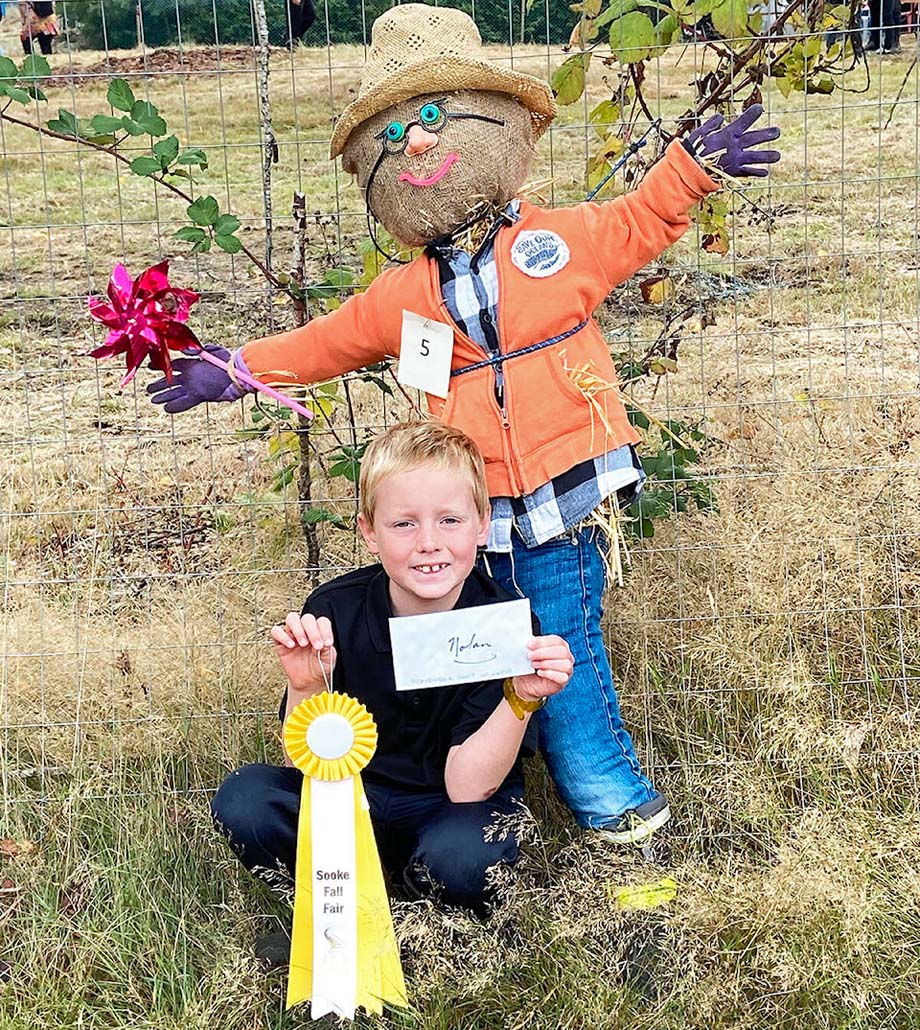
(637, 825)
(273, 951)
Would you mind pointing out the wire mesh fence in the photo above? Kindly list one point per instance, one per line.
(765, 642)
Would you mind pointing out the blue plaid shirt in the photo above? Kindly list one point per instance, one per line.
(469, 286)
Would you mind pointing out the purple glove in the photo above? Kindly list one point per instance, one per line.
(195, 381)
(734, 144)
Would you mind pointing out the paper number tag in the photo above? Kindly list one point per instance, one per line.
(425, 352)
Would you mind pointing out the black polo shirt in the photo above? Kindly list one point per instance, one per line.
(416, 728)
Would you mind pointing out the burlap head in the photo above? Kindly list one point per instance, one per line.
(491, 166)
(419, 49)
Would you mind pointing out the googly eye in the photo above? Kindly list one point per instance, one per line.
(429, 114)
(395, 132)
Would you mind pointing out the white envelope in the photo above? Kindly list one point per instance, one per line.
(488, 642)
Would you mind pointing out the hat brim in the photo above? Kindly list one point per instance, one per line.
(448, 73)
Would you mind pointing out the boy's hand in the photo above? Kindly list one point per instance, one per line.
(553, 664)
(302, 644)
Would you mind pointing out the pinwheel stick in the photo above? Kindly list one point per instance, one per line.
(245, 377)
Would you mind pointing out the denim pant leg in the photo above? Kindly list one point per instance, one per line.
(588, 751)
(459, 843)
(256, 809)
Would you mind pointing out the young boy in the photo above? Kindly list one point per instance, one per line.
(448, 759)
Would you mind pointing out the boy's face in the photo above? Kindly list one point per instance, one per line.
(425, 531)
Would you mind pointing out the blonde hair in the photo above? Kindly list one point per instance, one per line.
(413, 445)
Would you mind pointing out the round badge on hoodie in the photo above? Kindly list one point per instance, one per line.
(539, 253)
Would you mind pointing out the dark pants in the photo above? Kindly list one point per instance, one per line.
(44, 42)
(425, 840)
(884, 24)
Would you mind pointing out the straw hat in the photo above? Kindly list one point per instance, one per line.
(417, 49)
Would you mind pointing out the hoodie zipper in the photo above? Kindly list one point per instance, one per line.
(499, 393)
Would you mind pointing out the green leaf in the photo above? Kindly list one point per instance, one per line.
(202, 246)
(181, 172)
(339, 277)
(166, 150)
(226, 225)
(8, 69)
(85, 130)
(667, 31)
(192, 234)
(131, 127)
(120, 95)
(105, 123)
(65, 123)
(204, 211)
(145, 165)
(283, 478)
(313, 516)
(823, 85)
(697, 10)
(785, 85)
(569, 78)
(231, 244)
(730, 18)
(154, 125)
(347, 462)
(36, 93)
(604, 116)
(35, 66)
(637, 418)
(632, 37)
(333, 282)
(616, 9)
(146, 115)
(21, 96)
(193, 157)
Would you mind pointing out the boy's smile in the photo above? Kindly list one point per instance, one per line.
(425, 531)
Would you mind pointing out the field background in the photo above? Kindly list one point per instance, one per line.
(768, 652)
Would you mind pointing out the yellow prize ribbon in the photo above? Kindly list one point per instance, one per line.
(379, 973)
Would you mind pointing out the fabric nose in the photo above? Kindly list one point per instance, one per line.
(420, 140)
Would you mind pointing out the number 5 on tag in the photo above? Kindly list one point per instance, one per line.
(425, 351)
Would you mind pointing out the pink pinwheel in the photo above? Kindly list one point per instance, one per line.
(145, 318)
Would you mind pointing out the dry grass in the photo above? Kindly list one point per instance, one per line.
(768, 652)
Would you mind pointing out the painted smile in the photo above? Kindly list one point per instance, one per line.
(437, 176)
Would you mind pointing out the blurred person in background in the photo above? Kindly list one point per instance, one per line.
(301, 15)
(39, 25)
(884, 26)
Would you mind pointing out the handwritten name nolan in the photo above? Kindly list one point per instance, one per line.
(470, 651)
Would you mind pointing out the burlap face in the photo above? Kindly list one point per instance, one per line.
(491, 165)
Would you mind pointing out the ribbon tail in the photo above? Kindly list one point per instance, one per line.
(300, 976)
(380, 975)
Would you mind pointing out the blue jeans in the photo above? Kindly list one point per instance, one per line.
(588, 752)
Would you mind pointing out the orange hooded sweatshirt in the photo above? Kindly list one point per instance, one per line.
(548, 425)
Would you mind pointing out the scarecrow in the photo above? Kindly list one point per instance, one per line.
(494, 321)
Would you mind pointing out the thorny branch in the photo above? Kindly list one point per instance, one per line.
(161, 179)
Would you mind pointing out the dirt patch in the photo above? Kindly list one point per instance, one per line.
(166, 61)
